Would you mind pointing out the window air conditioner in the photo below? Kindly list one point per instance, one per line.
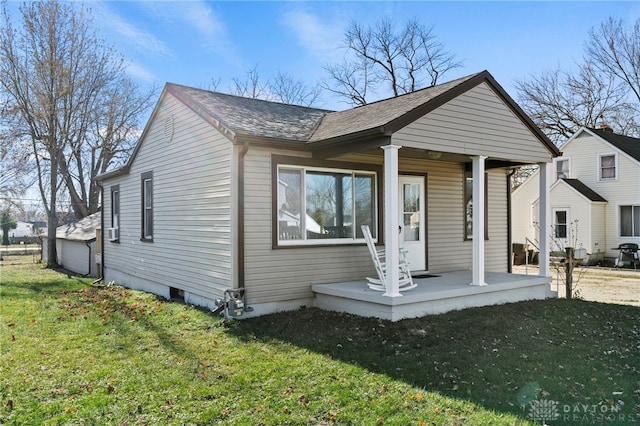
(112, 234)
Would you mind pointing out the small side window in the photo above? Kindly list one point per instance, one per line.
(562, 169)
(147, 206)
(113, 232)
(607, 167)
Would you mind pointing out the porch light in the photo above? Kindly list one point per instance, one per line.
(434, 155)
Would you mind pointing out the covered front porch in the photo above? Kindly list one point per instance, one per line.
(442, 292)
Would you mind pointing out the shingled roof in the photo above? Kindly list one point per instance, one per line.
(626, 144)
(584, 190)
(381, 114)
(82, 230)
(236, 116)
(241, 118)
(273, 124)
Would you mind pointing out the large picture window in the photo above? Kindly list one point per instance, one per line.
(318, 205)
(630, 221)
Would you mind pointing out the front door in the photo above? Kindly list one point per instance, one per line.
(560, 229)
(412, 220)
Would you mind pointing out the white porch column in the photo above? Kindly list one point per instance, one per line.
(391, 220)
(544, 216)
(478, 220)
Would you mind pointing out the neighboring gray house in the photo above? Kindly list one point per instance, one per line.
(595, 195)
(76, 246)
(223, 193)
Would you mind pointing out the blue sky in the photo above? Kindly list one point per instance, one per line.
(193, 42)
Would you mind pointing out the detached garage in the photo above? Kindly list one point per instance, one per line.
(76, 246)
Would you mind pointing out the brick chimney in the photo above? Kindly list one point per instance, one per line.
(606, 127)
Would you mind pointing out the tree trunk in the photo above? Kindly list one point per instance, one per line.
(569, 271)
(52, 218)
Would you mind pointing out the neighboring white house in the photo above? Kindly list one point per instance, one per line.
(224, 193)
(23, 229)
(76, 245)
(595, 195)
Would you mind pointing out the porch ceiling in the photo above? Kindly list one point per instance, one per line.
(424, 154)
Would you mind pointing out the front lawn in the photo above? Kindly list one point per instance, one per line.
(72, 353)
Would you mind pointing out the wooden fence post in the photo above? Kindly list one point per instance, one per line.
(569, 271)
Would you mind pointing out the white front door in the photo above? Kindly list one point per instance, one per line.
(560, 229)
(412, 220)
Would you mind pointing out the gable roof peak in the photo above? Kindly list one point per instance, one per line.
(627, 144)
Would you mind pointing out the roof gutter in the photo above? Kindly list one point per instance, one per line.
(88, 244)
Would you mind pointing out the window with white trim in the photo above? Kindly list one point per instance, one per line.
(630, 221)
(607, 166)
(562, 169)
(324, 206)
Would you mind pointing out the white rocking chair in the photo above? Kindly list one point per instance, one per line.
(378, 257)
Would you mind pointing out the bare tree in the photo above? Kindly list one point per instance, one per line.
(286, 89)
(615, 50)
(107, 141)
(560, 103)
(281, 88)
(71, 94)
(251, 86)
(15, 167)
(605, 87)
(382, 58)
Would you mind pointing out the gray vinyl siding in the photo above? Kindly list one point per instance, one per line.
(477, 122)
(288, 273)
(191, 248)
(281, 274)
(496, 248)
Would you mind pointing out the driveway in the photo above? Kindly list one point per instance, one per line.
(607, 285)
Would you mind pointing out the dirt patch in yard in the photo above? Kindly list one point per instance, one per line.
(607, 285)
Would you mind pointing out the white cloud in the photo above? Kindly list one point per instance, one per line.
(209, 29)
(141, 73)
(322, 39)
(143, 40)
(128, 32)
(204, 20)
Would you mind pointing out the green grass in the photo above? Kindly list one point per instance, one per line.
(72, 353)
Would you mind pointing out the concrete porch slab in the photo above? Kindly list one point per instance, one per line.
(446, 292)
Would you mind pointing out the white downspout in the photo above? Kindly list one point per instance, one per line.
(478, 220)
(391, 215)
(545, 217)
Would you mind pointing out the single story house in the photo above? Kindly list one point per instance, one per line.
(76, 246)
(226, 197)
